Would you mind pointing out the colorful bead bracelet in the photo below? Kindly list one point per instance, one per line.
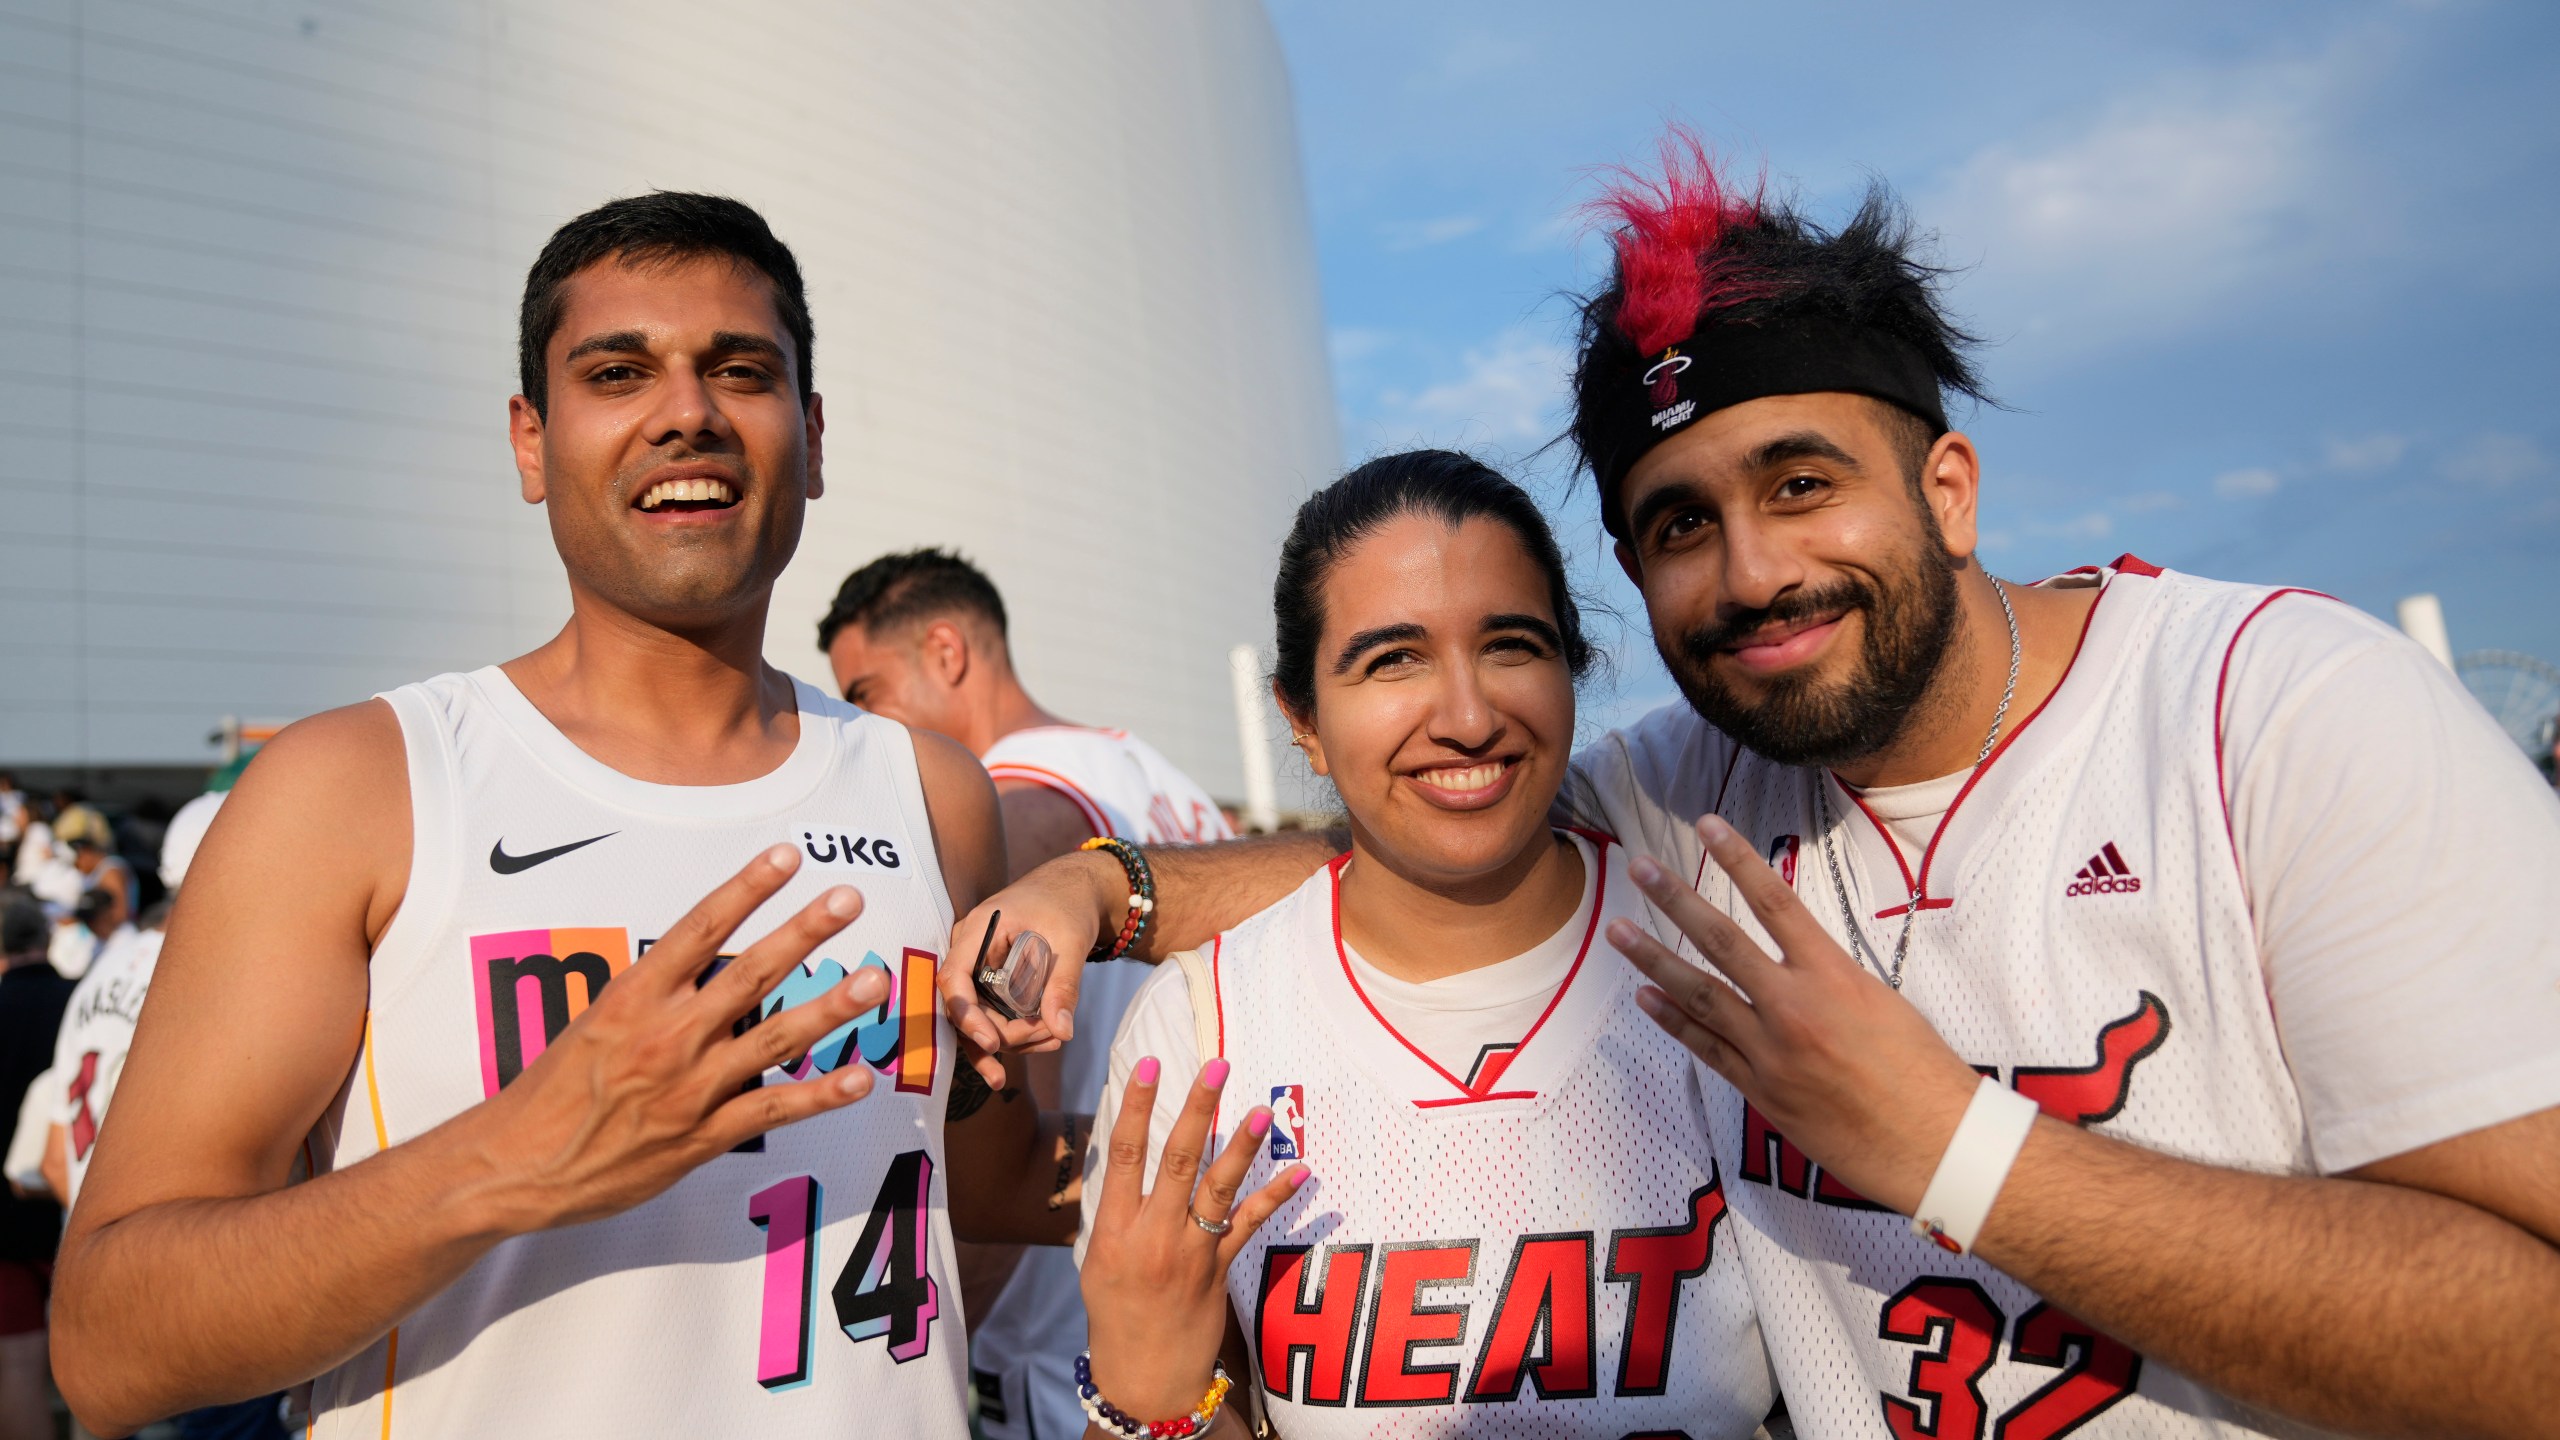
(1112, 1420)
(1142, 895)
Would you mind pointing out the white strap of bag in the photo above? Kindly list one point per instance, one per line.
(1205, 1042)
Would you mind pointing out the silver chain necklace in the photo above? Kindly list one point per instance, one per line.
(1822, 818)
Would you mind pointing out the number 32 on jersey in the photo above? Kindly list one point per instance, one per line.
(885, 1290)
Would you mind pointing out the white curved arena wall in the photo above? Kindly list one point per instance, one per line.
(259, 264)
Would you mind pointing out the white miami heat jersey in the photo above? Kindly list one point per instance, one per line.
(1539, 1247)
(1025, 1346)
(96, 1035)
(2084, 937)
(797, 1286)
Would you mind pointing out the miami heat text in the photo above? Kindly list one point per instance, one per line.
(1323, 1307)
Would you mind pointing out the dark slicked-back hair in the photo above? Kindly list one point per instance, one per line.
(913, 585)
(1445, 484)
(660, 228)
(1691, 249)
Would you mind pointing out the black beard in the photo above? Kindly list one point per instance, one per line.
(1804, 719)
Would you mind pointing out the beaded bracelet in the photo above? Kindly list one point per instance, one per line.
(1142, 896)
(1112, 1420)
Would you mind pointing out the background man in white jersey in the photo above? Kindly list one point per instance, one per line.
(2235, 885)
(921, 637)
(435, 944)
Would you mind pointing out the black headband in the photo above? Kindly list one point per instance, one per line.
(1725, 363)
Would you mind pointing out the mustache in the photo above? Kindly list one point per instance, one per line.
(1707, 641)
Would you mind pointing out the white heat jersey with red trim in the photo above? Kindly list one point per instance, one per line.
(1120, 783)
(798, 1286)
(1024, 1348)
(1540, 1248)
(2084, 937)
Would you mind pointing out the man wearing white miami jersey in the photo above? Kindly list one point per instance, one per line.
(2142, 987)
(921, 637)
(581, 1167)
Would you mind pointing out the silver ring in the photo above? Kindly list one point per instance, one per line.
(1214, 1227)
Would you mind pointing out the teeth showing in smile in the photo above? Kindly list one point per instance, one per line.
(716, 492)
(1462, 778)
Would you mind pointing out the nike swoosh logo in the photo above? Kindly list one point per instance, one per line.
(506, 864)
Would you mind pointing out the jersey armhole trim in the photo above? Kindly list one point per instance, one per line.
(436, 849)
(2221, 693)
(1020, 773)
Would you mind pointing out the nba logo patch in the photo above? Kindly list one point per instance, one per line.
(1782, 857)
(1288, 1122)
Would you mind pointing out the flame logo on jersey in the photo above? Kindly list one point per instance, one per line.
(1288, 1122)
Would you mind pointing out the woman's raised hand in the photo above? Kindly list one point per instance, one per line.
(1155, 1269)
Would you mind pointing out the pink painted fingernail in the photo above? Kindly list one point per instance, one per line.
(1258, 1124)
(1145, 1073)
(1299, 1174)
(1214, 1074)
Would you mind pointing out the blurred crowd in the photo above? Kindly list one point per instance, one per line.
(81, 917)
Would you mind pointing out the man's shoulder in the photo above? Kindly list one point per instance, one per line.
(2276, 638)
(1668, 759)
(1070, 749)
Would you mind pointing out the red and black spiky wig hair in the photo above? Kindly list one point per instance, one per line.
(1718, 295)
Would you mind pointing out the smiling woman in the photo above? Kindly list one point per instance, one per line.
(1436, 1034)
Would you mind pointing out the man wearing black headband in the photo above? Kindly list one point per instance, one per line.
(2142, 988)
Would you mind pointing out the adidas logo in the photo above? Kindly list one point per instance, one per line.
(2105, 874)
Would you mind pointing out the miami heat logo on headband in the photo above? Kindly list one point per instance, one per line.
(1662, 378)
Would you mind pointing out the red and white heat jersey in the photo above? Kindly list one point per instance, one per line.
(1024, 1348)
(1540, 1247)
(2086, 937)
(1121, 783)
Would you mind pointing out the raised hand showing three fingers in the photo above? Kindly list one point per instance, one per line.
(1155, 1266)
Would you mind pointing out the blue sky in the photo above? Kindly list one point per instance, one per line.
(2273, 288)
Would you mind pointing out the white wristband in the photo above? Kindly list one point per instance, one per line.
(1976, 1165)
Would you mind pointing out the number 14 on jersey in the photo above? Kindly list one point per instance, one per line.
(885, 1290)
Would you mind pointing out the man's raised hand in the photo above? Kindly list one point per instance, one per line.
(1838, 1062)
(651, 1079)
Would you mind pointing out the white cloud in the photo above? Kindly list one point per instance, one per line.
(2496, 461)
(2157, 209)
(1510, 390)
(2249, 484)
(1350, 344)
(1423, 234)
(2095, 525)
(2367, 455)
